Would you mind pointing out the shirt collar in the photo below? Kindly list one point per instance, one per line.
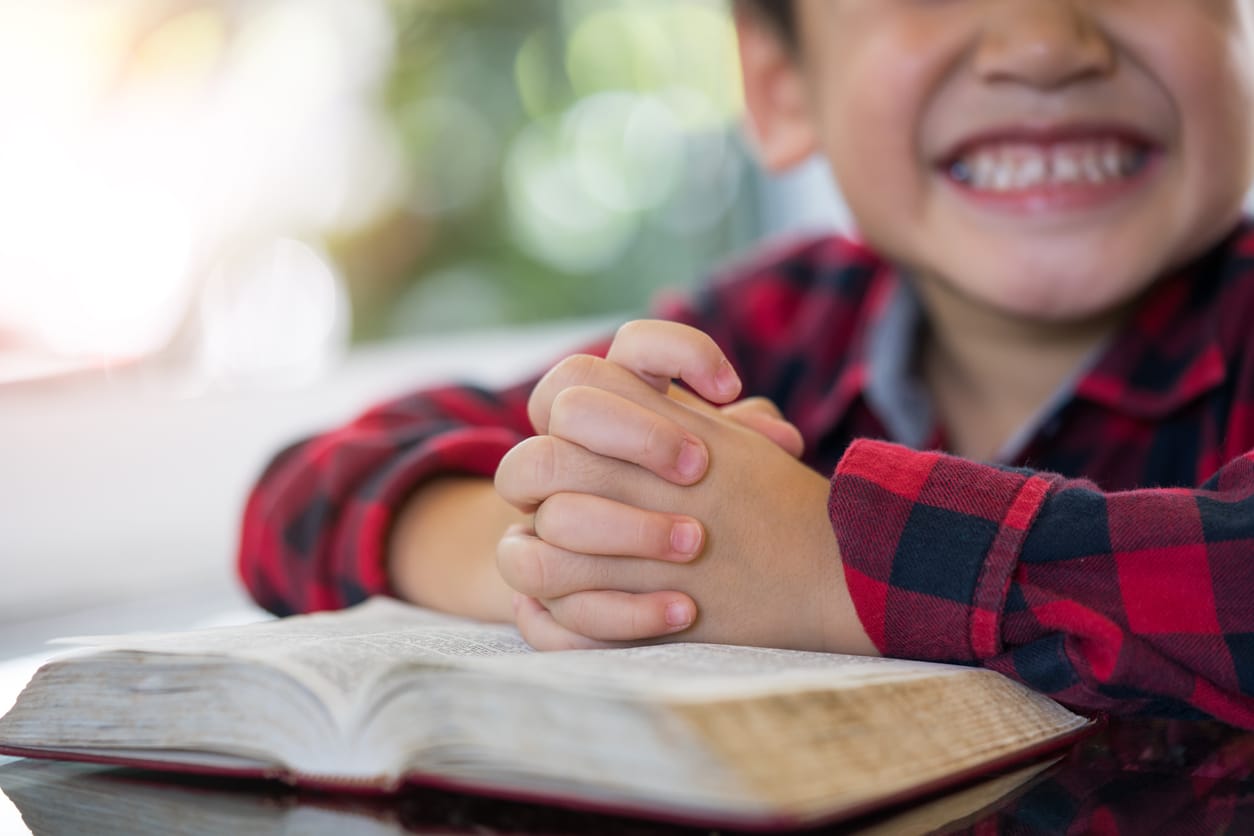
(892, 386)
(1167, 355)
(897, 395)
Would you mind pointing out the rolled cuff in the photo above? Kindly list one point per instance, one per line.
(359, 553)
(929, 544)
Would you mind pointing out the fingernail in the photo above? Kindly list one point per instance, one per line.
(686, 537)
(678, 614)
(726, 379)
(691, 461)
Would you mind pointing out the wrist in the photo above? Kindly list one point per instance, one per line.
(442, 552)
(841, 626)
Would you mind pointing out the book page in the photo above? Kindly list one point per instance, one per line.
(702, 671)
(340, 655)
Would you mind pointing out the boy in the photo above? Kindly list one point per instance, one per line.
(1056, 288)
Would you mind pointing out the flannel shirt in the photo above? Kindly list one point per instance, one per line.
(1109, 565)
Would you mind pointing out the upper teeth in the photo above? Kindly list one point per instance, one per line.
(1012, 167)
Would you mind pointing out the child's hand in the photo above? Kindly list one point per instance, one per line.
(621, 522)
(654, 353)
(577, 401)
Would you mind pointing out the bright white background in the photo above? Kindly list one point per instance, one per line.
(114, 491)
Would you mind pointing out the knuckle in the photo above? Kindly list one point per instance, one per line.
(638, 621)
(570, 371)
(755, 407)
(539, 573)
(585, 473)
(569, 405)
(528, 470)
(576, 369)
(629, 331)
(541, 455)
(538, 404)
(543, 569)
(501, 477)
(658, 440)
(515, 564)
(761, 404)
(582, 614)
(507, 472)
(648, 540)
(550, 519)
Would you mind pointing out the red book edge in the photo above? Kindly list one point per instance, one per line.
(642, 809)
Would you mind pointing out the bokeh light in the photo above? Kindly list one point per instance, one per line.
(627, 149)
(271, 313)
(145, 139)
(555, 217)
(429, 164)
(454, 152)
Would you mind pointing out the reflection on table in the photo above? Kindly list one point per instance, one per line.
(1132, 777)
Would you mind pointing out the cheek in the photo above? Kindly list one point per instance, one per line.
(1221, 127)
(1208, 72)
(871, 136)
(1218, 94)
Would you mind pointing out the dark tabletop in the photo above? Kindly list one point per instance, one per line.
(1131, 777)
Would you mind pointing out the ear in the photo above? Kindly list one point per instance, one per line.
(780, 121)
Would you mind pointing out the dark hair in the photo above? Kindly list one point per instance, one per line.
(779, 12)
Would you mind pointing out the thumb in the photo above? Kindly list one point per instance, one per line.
(761, 415)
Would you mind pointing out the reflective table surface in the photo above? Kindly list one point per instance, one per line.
(1131, 777)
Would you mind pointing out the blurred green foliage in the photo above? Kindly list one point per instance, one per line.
(564, 158)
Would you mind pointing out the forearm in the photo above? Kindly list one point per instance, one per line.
(316, 528)
(442, 552)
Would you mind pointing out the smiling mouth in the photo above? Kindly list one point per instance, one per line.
(1017, 166)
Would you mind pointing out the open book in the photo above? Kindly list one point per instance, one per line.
(386, 694)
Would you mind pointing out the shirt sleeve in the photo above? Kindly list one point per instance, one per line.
(315, 527)
(1129, 602)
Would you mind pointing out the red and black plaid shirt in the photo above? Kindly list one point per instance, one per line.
(1110, 564)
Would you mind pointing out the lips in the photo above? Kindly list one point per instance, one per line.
(1010, 162)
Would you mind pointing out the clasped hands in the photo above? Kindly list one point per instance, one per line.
(660, 516)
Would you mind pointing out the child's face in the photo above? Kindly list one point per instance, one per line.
(1045, 158)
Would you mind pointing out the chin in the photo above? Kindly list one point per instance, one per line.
(1053, 296)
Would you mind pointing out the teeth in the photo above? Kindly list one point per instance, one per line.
(1112, 162)
(985, 168)
(1093, 169)
(1032, 172)
(1003, 178)
(1012, 167)
(1067, 170)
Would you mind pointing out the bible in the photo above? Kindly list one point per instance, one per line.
(383, 695)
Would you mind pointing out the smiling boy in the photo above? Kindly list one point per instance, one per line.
(1054, 286)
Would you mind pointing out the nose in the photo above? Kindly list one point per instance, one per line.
(1042, 43)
